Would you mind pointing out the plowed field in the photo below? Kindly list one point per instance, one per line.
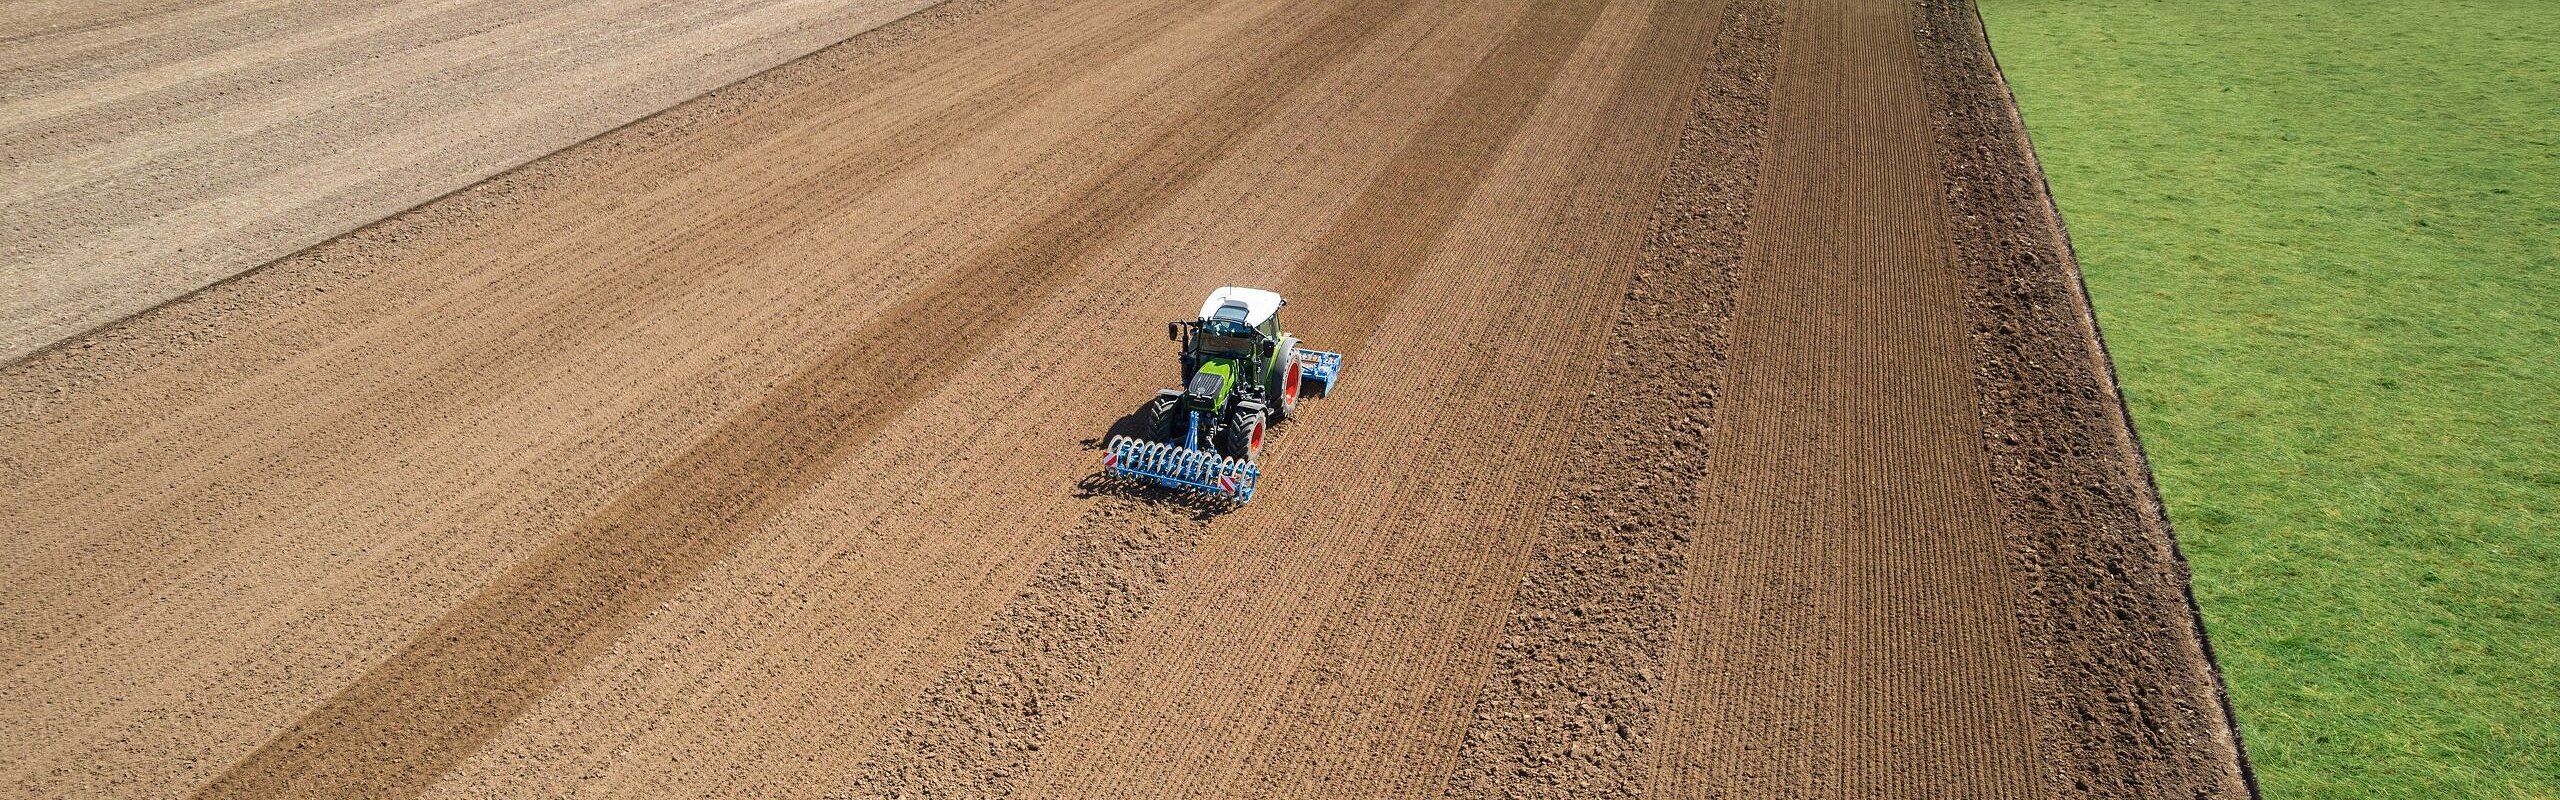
(149, 148)
(1722, 418)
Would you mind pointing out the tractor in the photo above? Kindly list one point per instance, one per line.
(1240, 374)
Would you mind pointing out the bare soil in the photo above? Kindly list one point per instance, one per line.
(1722, 419)
(150, 148)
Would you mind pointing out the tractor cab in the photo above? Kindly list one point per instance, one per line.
(1237, 325)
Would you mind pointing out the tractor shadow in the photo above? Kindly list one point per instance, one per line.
(1103, 484)
(1132, 425)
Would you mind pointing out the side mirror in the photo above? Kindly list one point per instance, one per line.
(1173, 331)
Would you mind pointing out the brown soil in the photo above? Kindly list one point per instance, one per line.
(1571, 703)
(149, 148)
(1723, 419)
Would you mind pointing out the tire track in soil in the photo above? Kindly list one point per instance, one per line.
(1848, 625)
(973, 733)
(412, 717)
(2128, 701)
(1567, 708)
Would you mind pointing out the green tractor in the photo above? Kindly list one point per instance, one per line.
(1240, 374)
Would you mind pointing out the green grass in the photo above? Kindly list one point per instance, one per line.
(2321, 240)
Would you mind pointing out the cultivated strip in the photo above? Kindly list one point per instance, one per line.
(1489, 397)
(1567, 709)
(1848, 625)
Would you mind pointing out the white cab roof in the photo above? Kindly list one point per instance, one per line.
(1255, 305)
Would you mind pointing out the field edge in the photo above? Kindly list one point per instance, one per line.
(1955, 31)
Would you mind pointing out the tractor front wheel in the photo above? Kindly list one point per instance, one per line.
(1242, 440)
(1164, 420)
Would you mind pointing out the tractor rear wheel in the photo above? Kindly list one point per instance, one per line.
(1242, 440)
(1292, 381)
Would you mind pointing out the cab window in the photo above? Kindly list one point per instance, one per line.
(1226, 337)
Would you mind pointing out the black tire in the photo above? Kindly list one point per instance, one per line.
(1164, 420)
(1242, 440)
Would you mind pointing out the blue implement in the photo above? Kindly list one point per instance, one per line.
(1174, 467)
(1318, 365)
